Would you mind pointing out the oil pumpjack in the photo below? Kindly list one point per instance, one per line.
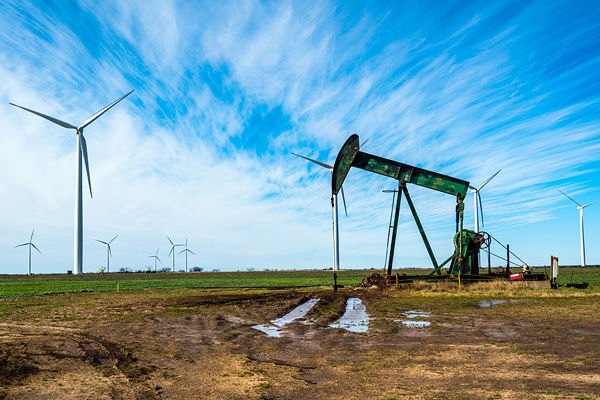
(467, 243)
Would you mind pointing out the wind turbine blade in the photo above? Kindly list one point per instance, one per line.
(24, 244)
(101, 241)
(182, 251)
(192, 252)
(488, 180)
(472, 187)
(36, 248)
(111, 240)
(49, 118)
(157, 251)
(480, 208)
(569, 197)
(315, 161)
(363, 143)
(344, 201)
(105, 109)
(589, 204)
(158, 259)
(172, 248)
(85, 160)
(170, 241)
(109, 251)
(31, 237)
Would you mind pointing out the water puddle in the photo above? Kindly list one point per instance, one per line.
(271, 331)
(296, 313)
(489, 303)
(416, 314)
(355, 319)
(415, 324)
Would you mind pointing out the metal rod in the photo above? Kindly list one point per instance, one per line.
(421, 230)
(489, 259)
(395, 229)
(507, 259)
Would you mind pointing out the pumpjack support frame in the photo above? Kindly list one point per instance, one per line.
(351, 156)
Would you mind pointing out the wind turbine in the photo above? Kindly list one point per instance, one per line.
(108, 252)
(581, 238)
(155, 256)
(30, 244)
(81, 152)
(477, 199)
(334, 202)
(186, 251)
(173, 245)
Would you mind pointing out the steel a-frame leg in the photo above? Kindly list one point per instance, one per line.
(395, 229)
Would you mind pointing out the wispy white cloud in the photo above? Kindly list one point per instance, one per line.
(185, 155)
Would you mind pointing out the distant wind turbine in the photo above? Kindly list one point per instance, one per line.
(173, 245)
(336, 235)
(477, 200)
(30, 245)
(186, 251)
(108, 252)
(155, 256)
(81, 152)
(581, 237)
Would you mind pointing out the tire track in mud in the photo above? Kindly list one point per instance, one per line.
(19, 360)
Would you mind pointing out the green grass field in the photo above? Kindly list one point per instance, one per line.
(12, 286)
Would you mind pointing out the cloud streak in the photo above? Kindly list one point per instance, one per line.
(225, 92)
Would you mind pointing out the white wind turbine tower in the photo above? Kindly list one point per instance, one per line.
(108, 252)
(155, 256)
(336, 235)
(477, 200)
(186, 251)
(173, 245)
(81, 152)
(30, 245)
(581, 237)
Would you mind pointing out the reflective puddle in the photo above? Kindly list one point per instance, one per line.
(416, 314)
(415, 324)
(355, 319)
(296, 313)
(489, 303)
(271, 331)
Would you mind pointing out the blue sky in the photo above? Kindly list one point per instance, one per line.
(224, 91)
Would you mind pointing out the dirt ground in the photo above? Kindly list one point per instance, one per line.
(199, 344)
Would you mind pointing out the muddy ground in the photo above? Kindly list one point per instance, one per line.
(198, 344)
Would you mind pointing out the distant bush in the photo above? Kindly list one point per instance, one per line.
(197, 269)
(124, 269)
(216, 270)
(165, 269)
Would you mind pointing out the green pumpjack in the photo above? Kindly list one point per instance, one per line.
(467, 244)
